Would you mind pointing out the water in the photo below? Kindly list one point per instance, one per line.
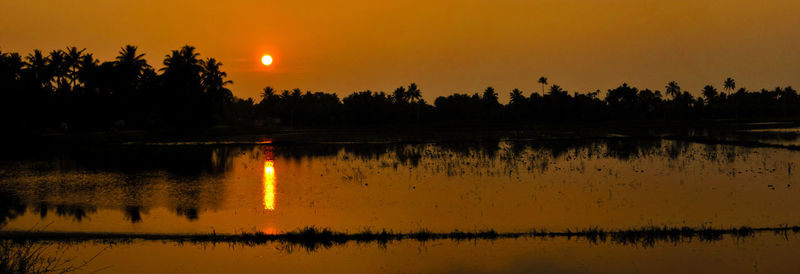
(505, 186)
(764, 253)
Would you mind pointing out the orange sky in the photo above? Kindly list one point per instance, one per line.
(445, 46)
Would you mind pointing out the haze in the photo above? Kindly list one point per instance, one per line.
(444, 46)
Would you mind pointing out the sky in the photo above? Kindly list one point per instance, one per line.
(444, 46)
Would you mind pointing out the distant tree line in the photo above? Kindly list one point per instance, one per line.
(71, 90)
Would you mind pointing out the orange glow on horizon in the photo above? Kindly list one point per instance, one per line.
(353, 45)
(269, 185)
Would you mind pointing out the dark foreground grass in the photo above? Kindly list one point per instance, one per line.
(312, 238)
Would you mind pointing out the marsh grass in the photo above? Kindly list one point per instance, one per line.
(32, 256)
(312, 238)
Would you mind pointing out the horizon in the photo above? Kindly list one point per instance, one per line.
(360, 48)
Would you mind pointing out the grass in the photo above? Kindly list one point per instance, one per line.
(312, 238)
(38, 257)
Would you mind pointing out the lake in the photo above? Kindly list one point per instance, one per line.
(507, 185)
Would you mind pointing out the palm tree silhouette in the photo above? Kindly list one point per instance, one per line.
(543, 81)
(213, 81)
(673, 89)
(489, 95)
(10, 69)
(267, 93)
(36, 66)
(72, 59)
(213, 78)
(516, 97)
(729, 84)
(413, 93)
(710, 93)
(130, 62)
(556, 90)
(399, 95)
(415, 96)
(57, 68)
(88, 73)
(182, 69)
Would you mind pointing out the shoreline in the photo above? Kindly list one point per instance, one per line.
(312, 237)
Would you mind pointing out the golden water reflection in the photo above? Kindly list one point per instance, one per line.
(407, 187)
(269, 185)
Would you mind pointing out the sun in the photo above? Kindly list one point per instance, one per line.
(266, 60)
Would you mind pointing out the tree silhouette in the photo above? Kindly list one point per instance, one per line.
(710, 93)
(45, 91)
(213, 79)
(400, 95)
(131, 64)
(491, 105)
(10, 71)
(267, 93)
(183, 90)
(516, 97)
(543, 81)
(490, 96)
(72, 59)
(213, 82)
(182, 69)
(38, 71)
(415, 96)
(58, 69)
(88, 73)
(413, 93)
(729, 84)
(673, 89)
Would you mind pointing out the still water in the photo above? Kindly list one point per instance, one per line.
(505, 186)
(765, 253)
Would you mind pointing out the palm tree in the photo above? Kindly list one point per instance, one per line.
(37, 69)
(489, 96)
(673, 89)
(267, 92)
(10, 69)
(58, 68)
(188, 54)
(213, 80)
(212, 77)
(543, 81)
(399, 95)
(88, 73)
(710, 93)
(182, 69)
(729, 84)
(72, 59)
(517, 97)
(556, 90)
(268, 98)
(129, 59)
(413, 93)
(130, 64)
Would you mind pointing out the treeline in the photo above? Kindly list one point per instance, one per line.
(405, 105)
(71, 90)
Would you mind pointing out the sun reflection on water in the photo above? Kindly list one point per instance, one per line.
(269, 185)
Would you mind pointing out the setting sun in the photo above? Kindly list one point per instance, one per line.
(266, 60)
